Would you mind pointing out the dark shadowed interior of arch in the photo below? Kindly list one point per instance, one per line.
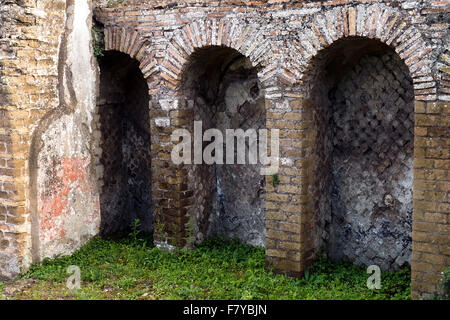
(223, 91)
(361, 103)
(125, 164)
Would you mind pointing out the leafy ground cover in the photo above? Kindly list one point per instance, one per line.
(132, 268)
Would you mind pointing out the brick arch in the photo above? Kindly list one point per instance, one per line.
(303, 53)
(172, 192)
(382, 23)
(443, 70)
(130, 42)
(245, 38)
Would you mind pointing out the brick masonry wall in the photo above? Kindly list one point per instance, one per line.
(431, 227)
(51, 206)
(124, 161)
(29, 41)
(281, 38)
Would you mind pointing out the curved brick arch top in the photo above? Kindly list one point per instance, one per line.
(247, 39)
(377, 22)
(130, 42)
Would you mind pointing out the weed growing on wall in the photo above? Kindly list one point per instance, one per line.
(96, 42)
(135, 230)
(445, 282)
(190, 237)
(113, 3)
(158, 229)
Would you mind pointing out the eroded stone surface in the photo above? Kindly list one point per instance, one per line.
(124, 169)
(231, 196)
(372, 164)
(363, 156)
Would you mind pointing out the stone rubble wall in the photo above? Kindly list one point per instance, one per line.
(29, 43)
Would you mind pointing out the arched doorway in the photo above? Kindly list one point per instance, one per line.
(360, 99)
(124, 160)
(223, 91)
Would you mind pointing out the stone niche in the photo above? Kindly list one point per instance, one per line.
(222, 89)
(362, 104)
(124, 159)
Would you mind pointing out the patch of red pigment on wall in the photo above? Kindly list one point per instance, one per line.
(72, 174)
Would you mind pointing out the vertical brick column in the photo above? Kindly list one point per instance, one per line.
(288, 217)
(431, 228)
(170, 193)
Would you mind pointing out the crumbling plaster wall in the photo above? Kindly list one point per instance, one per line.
(240, 211)
(363, 114)
(373, 163)
(65, 204)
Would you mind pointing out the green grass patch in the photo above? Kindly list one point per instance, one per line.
(131, 268)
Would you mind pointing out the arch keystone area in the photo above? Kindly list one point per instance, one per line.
(130, 42)
(247, 39)
(383, 23)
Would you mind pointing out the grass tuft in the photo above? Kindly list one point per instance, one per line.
(132, 268)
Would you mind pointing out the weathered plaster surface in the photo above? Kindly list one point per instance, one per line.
(68, 211)
(67, 206)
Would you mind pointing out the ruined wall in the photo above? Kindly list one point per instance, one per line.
(49, 164)
(226, 94)
(65, 207)
(29, 41)
(124, 143)
(240, 203)
(283, 39)
(362, 108)
(417, 56)
(47, 77)
(373, 163)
